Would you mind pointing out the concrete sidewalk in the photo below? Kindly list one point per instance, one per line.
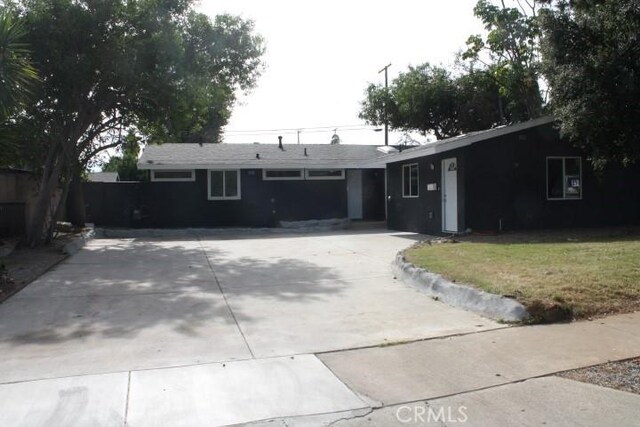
(447, 366)
(483, 378)
(497, 378)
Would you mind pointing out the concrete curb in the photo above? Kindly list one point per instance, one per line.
(298, 227)
(78, 242)
(489, 305)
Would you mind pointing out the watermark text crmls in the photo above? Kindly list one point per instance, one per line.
(419, 414)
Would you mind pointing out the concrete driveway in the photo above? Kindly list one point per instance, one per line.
(120, 312)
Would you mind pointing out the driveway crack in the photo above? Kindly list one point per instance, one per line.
(224, 297)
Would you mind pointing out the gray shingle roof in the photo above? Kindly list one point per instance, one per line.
(196, 156)
(103, 177)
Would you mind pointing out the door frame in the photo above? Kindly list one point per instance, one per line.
(447, 198)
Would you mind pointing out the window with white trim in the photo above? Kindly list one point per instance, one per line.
(564, 178)
(324, 173)
(281, 174)
(410, 180)
(223, 184)
(173, 175)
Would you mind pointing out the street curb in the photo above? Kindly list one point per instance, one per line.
(489, 305)
(78, 243)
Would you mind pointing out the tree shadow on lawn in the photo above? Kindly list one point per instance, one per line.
(122, 290)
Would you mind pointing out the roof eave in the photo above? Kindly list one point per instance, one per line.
(356, 164)
(462, 141)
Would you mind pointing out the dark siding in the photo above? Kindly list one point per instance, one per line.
(507, 181)
(111, 204)
(424, 213)
(373, 195)
(185, 204)
(503, 181)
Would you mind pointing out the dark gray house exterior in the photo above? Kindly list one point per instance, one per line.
(244, 185)
(522, 176)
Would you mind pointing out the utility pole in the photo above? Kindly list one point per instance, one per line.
(386, 121)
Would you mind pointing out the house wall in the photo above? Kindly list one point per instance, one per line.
(507, 179)
(423, 214)
(502, 183)
(185, 204)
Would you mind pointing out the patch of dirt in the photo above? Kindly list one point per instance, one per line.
(22, 266)
(623, 375)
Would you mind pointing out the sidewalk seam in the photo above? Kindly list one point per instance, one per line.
(224, 297)
(126, 405)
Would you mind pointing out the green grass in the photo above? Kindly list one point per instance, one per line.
(580, 272)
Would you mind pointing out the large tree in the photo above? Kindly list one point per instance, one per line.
(509, 53)
(108, 65)
(499, 83)
(429, 99)
(591, 57)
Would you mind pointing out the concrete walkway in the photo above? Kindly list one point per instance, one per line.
(281, 330)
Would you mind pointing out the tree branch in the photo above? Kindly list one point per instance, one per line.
(91, 154)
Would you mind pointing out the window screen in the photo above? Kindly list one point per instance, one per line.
(224, 184)
(282, 174)
(410, 180)
(325, 173)
(564, 178)
(173, 175)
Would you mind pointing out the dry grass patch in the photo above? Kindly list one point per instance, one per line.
(579, 273)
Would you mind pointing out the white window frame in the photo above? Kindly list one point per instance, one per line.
(154, 179)
(209, 197)
(283, 178)
(410, 196)
(564, 177)
(311, 178)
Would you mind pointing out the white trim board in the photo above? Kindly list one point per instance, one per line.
(238, 184)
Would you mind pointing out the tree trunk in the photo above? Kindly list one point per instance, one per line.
(42, 208)
(51, 226)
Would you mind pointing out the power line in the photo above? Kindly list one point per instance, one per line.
(301, 129)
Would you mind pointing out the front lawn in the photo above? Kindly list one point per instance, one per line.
(580, 273)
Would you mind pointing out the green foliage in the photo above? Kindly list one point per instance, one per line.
(18, 78)
(155, 65)
(17, 74)
(510, 54)
(591, 59)
(500, 84)
(126, 162)
(429, 99)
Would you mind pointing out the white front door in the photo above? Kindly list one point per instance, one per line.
(449, 189)
(354, 194)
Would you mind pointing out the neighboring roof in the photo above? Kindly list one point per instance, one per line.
(15, 171)
(449, 144)
(246, 156)
(104, 177)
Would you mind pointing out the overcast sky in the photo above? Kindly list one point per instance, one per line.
(322, 54)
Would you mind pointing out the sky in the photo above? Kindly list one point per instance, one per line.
(321, 55)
